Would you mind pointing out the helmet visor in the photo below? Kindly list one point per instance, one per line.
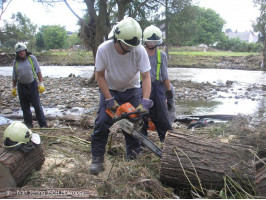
(133, 42)
(153, 42)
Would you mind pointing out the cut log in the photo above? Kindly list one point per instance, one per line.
(260, 183)
(48, 193)
(17, 165)
(193, 161)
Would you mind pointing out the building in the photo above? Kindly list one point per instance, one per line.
(247, 36)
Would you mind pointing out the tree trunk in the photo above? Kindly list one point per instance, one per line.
(264, 54)
(17, 165)
(49, 193)
(205, 162)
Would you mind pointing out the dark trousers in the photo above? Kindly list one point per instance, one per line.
(103, 122)
(159, 111)
(29, 95)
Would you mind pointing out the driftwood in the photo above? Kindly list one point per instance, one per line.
(48, 193)
(62, 118)
(70, 119)
(16, 166)
(191, 161)
(260, 183)
(189, 118)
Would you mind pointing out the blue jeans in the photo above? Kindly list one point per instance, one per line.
(29, 95)
(103, 122)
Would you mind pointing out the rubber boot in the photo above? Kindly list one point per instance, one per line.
(96, 165)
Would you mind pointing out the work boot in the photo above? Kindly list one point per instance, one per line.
(96, 165)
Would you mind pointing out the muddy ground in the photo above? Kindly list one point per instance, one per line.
(67, 145)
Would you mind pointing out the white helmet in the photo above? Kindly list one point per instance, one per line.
(128, 31)
(152, 34)
(18, 133)
(20, 47)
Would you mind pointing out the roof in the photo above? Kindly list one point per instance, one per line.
(247, 36)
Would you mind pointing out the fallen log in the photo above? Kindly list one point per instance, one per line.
(48, 117)
(260, 183)
(201, 163)
(76, 119)
(189, 118)
(48, 193)
(16, 166)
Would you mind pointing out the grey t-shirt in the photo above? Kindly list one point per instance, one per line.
(24, 74)
(163, 72)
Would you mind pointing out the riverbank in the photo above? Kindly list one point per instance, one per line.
(191, 58)
(67, 156)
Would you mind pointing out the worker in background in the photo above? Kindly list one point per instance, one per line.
(26, 70)
(161, 93)
(119, 63)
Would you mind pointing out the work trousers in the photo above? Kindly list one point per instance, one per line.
(159, 111)
(29, 95)
(103, 122)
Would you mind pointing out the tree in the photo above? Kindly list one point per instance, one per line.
(195, 25)
(170, 7)
(260, 26)
(20, 29)
(54, 37)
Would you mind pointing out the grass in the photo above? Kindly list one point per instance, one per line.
(212, 53)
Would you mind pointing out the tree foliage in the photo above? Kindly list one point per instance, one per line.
(195, 25)
(54, 37)
(19, 29)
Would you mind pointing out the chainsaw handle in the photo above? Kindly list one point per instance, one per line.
(126, 116)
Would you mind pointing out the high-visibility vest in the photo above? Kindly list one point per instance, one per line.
(158, 65)
(32, 66)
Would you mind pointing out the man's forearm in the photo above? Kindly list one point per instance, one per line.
(146, 85)
(39, 76)
(14, 84)
(103, 85)
(166, 83)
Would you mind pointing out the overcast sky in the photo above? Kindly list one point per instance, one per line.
(238, 14)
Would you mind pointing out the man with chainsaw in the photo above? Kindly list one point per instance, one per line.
(162, 91)
(26, 71)
(119, 63)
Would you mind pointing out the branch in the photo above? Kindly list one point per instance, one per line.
(3, 10)
(73, 11)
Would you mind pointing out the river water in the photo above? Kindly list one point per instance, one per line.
(241, 78)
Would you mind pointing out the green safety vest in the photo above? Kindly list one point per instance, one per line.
(158, 65)
(32, 66)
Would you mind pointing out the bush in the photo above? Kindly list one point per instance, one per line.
(238, 45)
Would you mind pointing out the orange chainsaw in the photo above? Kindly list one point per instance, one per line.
(131, 121)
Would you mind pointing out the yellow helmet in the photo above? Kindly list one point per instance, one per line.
(15, 134)
(127, 31)
(152, 34)
(20, 47)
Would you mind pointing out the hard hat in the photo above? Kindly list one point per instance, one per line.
(20, 47)
(127, 31)
(18, 133)
(152, 34)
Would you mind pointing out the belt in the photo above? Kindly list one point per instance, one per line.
(26, 85)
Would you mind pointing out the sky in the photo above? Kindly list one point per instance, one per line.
(238, 14)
